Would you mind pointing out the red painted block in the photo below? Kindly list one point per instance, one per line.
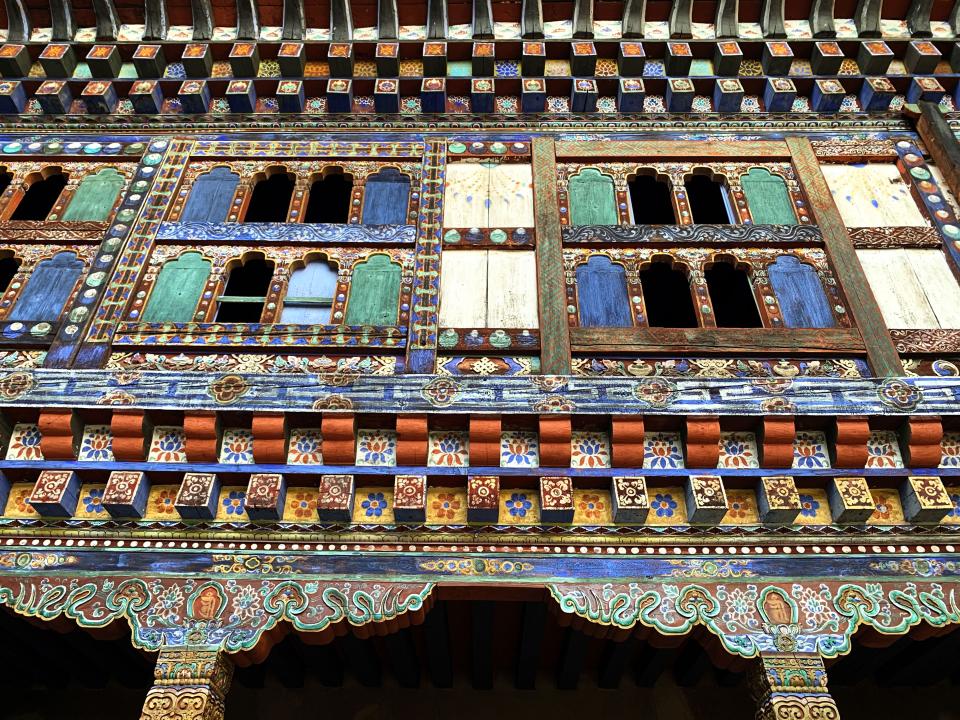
(776, 441)
(132, 431)
(266, 495)
(339, 439)
(850, 442)
(921, 441)
(703, 441)
(60, 434)
(485, 434)
(56, 493)
(270, 438)
(555, 432)
(126, 494)
(201, 429)
(556, 499)
(412, 439)
(335, 501)
(483, 498)
(198, 496)
(410, 498)
(626, 439)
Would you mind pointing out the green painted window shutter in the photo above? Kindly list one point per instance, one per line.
(95, 196)
(178, 289)
(374, 292)
(768, 198)
(593, 200)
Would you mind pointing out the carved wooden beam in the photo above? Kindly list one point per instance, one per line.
(156, 23)
(108, 24)
(634, 15)
(727, 18)
(918, 18)
(294, 20)
(531, 21)
(680, 26)
(63, 26)
(436, 19)
(388, 26)
(248, 21)
(341, 20)
(941, 142)
(583, 19)
(771, 19)
(482, 19)
(18, 21)
(821, 19)
(202, 19)
(867, 18)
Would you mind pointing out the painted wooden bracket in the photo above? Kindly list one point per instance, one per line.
(485, 432)
(634, 18)
(202, 13)
(248, 20)
(126, 493)
(821, 19)
(771, 19)
(777, 434)
(680, 20)
(556, 499)
(201, 430)
(56, 493)
(727, 20)
(867, 18)
(706, 499)
(626, 440)
(629, 498)
(954, 19)
(850, 500)
(412, 439)
(436, 19)
(482, 19)
(295, 20)
(60, 433)
(270, 438)
(702, 437)
(921, 437)
(583, 18)
(132, 432)
(410, 498)
(778, 502)
(266, 496)
(63, 26)
(555, 436)
(198, 496)
(388, 26)
(335, 499)
(531, 20)
(341, 20)
(918, 18)
(108, 23)
(849, 442)
(18, 22)
(483, 498)
(339, 438)
(925, 500)
(156, 22)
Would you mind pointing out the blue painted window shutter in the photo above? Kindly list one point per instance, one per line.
(310, 295)
(385, 198)
(48, 289)
(602, 294)
(803, 303)
(177, 289)
(210, 197)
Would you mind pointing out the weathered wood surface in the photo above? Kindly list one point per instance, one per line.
(374, 293)
(108, 22)
(512, 289)
(918, 18)
(295, 22)
(388, 24)
(531, 19)
(593, 199)
(602, 298)
(680, 19)
(48, 289)
(771, 19)
(821, 19)
(156, 21)
(466, 195)
(248, 20)
(95, 197)
(210, 197)
(482, 20)
(19, 26)
(634, 17)
(463, 288)
(677, 149)
(800, 293)
(726, 20)
(872, 195)
(511, 195)
(583, 19)
(767, 198)
(310, 294)
(63, 25)
(436, 19)
(202, 13)
(867, 18)
(914, 288)
(941, 142)
(832, 341)
(177, 289)
(386, 196)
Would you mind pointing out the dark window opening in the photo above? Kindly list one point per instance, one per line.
(651, 201)
(8, 268)
(329, 200)
(733, 303)
(246, 292)
(270, 200)
(666, 293)
(40, 198)
(5, 180)
(707, 201)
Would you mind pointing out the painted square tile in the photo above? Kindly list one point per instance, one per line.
(810, 450)
(889, 510)
(738, 450)
(24, 443)
(301, 505)
(814, 507)
(506, 30)
(373, 506)
(168, 445)
(519, 449)
(305, 447)
(506, 69)
(556, 68)
(160, 503)
(19, 507)
(233, 505)
(96, 444)
(667, 506)
(589, 450)
(237, 446)
(376, 448)
(883, 450)
(446, 506)
(662, 451)
(448, 449)
(519, 507)
(950, 450)
(743, 508)
(592, 507)
(91, 503)
(952, 518)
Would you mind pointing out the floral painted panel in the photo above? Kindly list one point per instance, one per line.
(589, 450)
(18, 505)
(592, 507)
(738, 450)
(662, 451)
(448, 449)
(160, 503)
(376, 448)
(952, 518)
(301, 504)
(743, 508)
(519, 449)
(305, 447)
(950, 450)
(237, 446)
(373, 506)
(24, 443)
(446, 506)
(168, 445)
(667, 506)
(96, 444)
(90, 506)
(883, 450)
(232, 505)
(810, 450)
(519, 507)
(889, 510)
(814, 507)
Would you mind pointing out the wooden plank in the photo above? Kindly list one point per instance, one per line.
(898, 292)
(48, 289)
(156, 21)
(821, 19)
(210, 197)
(388, 24)
(940, 141)
(583, 19)
(938, 283)
(918, 18)
(63, 25)
(317, 281)
(832, 341)
(512, 289)
(867, 18)
(799, 290)
(295, 22)
(463, 288)
(866, 313)
(593, 200)
(386, 196)
(531, 20)
(482, 20)
(466, 195)
(511, 195)
(680, 19)
(177, 289)
(726, 20)
(341, 20)
(95, 197)
(686, 149)
(555, 338)
(374, 292)
(602, 298)
(767, 198)
(771, 19)
(108, 23)
(202, 13)
(18, 21)
(873, 195)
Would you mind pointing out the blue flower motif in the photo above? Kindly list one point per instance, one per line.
(663, 505)
(518, 505)
(374, 505)
(234, 502)
(955, 512)
(808, 506)
(93, 500)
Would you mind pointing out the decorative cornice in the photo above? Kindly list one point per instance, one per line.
(883, 238)
(926, 341)
(694, 234)
(285, 233)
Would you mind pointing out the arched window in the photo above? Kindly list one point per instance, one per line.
(177, 289)
(310, 294)
(40, 197)
(329, 200)
(385, 198)
(270, 199)
(651, 201)
(211, 196)
(95, 196)
(374, 292)
(803, 303)
(707, 200)
(246, 292)
(768, 198)
(666, 294)
(48, 289)
(734, 305)
(593, 200)
(8, 268)
(602, 297)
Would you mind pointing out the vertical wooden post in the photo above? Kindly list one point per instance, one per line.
(554, 335)
(881, 351)
(190, 683)
(791, 685)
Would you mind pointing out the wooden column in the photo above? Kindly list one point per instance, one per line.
(190, 683)
(881, 351)
(792, 685)
(942, 144)
(554, 335)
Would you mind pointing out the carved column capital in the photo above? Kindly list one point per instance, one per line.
(190, 683)
(792, 686)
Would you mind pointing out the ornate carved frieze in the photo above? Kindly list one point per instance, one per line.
(926, 341)
(287, 233)
(190, 683)
(838, 149)
(694, 234)
(883, 238)
(47, 230)
(792, 685)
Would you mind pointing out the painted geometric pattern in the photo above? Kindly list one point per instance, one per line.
(96, 444)
(589, 450)
(519, 507)
(448, 449)
(373, 506)
(667, 506)
(446, 506)
(814, 507)
(237, 446)
(738, 450)
(305, 447)
(168, 445)
(950, 450)
(810, 450)
(519, 448)
(952, 518)
(889, 510)
(24, 443)
(376, 448)
(662, 451)
(883, 450)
